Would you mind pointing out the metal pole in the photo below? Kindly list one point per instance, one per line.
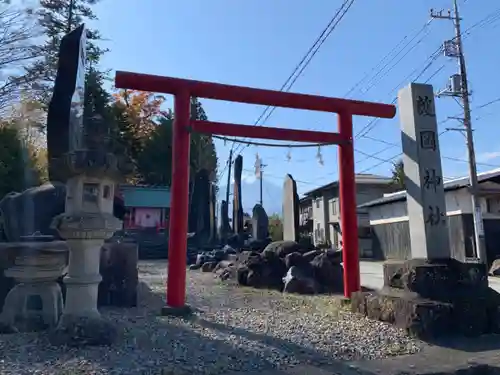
(178, 224)
(348, 216)
(261, 174)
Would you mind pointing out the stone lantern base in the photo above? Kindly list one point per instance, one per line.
(36, 302)
(81, 323)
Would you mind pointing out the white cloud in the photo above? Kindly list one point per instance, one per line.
(487, 156)
(247, 177)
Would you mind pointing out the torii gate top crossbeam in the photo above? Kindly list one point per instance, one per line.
(250, 95)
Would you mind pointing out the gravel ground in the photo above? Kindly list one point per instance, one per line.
(234, 329)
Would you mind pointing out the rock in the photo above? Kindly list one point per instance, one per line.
(208, 266)
(295, 259)
(258, 245)
(194, 267)
(433, 298)
(335, 256)
(229, 273)
(47, 201)
(310, 255)
(282, 248)
(262, 272)
(329, 275)
(202, 258)
(219, 255)
(495, 268)
(296, 281)
(222, 265)
(120, 275)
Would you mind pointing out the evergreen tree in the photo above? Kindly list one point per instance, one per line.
(18, 169)
(398, 174)
(57, 18)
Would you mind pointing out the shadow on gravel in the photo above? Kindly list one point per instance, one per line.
(148, 344)
(469, 344)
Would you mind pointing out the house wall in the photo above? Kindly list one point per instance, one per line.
(390, 228)
(326, 213)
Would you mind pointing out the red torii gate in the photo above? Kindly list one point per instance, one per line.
(184, 89)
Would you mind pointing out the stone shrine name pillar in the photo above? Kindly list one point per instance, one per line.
(423, 173)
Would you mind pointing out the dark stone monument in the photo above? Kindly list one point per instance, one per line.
(290, 210)
(224, 227)
(432, 294)
(199, 215)
(260, 223)
(65, 114)
(213, 219)
(237, 202)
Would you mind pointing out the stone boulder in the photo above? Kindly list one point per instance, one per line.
(208, 266)
(120, 275)
(262, 272)
(298, 281)
(281, 248)
(495, 268)
(328, 274)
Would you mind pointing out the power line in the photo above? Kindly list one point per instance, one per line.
(427, 64)
(300, 67)
(306, 60)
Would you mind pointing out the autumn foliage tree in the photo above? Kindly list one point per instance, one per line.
(142, 110)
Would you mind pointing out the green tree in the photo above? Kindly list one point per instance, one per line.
(276, 227)
(57, 18)
(398, 174)
(18, 169)
(155, 160)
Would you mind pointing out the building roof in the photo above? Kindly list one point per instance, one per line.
(361, 178)
(146, 196)
(454, 184)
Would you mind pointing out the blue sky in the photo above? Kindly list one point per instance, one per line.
(258, 43)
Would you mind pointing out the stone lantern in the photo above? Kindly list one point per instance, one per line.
(86, 223)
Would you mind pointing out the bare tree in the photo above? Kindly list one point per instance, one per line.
(18, 37)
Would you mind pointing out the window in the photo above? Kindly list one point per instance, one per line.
(317, 202)
(334, 207)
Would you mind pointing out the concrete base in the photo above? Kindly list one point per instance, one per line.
(78, 331)
(181, 312)
(433, 299)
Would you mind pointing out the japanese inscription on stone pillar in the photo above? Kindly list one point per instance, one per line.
(423, 174)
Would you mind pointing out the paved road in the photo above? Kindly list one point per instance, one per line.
(372, 277)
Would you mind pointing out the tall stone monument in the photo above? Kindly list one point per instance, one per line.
(237, 203)
(260, 223)
(91, 172)
(423, 173)
(290, 210)
(224, 226)
(199, 213)
(213, 218)
(432, 294)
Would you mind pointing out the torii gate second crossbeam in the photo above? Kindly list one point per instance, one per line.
(184, 89)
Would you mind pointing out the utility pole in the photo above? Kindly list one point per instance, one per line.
(230, 163)
(459, 88)
(259, 172)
